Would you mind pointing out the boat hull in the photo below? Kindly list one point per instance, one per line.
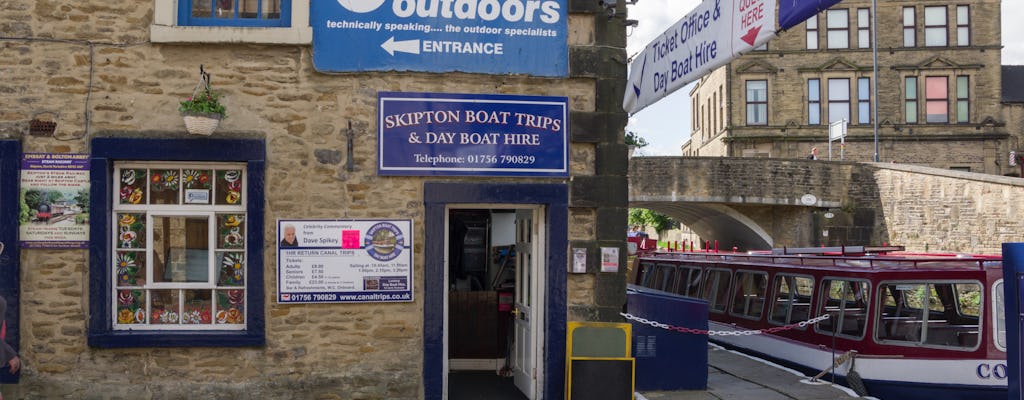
(924, 379)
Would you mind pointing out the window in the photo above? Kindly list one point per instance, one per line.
(910, 88)
(749, 294)
(999, 315)
(716, 289)
(863, 28)
(660, 277)
(963, 25)
(757, 102)
(812, 33)
(814, 101)
(935, 26)
(231, 21)
(689, 282)
(863, 100)
(234, 12)
(936, 99)
(930, 314)
(792, 301)
(963, 102)
(179, 255)
(179, 246)
(846, 303)
(838, 29)
(909, 27)
(838, 99)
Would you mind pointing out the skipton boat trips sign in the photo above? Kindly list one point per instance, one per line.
(481, 36)
(472, 134)
(708, 37)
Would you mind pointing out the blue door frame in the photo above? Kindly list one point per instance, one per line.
(10, 205)
(436, 197)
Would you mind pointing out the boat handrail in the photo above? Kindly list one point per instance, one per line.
(871, 262)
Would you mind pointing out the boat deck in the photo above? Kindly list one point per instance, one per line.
(733, 376)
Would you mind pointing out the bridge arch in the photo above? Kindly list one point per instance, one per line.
(712, 221)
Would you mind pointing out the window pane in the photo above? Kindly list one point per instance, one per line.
(230, 306)
(839, 89)
(935, 16)
(911, 88)
(813, 89)
(963, 36)
(757, 91)
(997, 301)
(165, 306)
(198, 307)
(792, 302)
(902, 314)
(909, 38)
(229, 187)
(935, 36)
(812, 22)
(132, 186)
(936, 93)
(962, 115)
(225, 9)
(963, 15)
(838, 19)
(908, 16)
(812, 40)
(757, 114)
(911, 112)
(863, 113)
(749, 294)
(937, 112)
(863, 39)
(961, 87)
(130, 268)
(863, 18)
(838, 39)
(814, 114)
(935, 87)
(180, 249)
(863, 89)
(131, 306)
(838, 112)
(202, 8)
(164, 186)
(846, 303)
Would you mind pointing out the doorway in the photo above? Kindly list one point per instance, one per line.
(514, 338)
(494, 280)
(10, 159)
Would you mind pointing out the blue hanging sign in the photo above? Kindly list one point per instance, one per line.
(793, 12)
(481, 36)
(472, 134)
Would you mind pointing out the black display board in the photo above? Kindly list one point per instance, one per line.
(605, 379)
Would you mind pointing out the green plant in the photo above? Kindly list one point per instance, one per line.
(633, 139)
(204, 102)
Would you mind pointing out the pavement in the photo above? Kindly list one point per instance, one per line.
(734, 376)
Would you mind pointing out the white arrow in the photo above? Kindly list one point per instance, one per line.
(405, 46)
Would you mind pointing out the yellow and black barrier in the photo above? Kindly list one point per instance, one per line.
(598, 361)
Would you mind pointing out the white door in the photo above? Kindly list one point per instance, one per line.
(529, 296)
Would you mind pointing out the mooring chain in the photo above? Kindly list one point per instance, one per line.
(681, 329)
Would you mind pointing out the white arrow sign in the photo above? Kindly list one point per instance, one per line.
(711, 35)
(405, 46)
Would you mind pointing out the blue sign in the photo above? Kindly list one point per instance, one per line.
(793, 12)
(482, 36)
(472, 134)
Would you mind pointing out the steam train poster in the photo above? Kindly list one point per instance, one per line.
(54, 200)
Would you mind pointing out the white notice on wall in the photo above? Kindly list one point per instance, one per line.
(579, 261)
(609, 259)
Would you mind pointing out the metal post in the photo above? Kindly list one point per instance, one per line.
(874, 81)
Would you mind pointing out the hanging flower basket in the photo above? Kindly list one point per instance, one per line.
(203, 111)
(201, 123)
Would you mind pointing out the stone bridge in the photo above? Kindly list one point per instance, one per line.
(758, 203)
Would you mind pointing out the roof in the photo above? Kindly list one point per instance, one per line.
(1013, 84)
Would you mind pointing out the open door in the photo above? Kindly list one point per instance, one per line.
(528, 306)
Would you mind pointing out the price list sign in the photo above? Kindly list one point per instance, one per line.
(344, 261)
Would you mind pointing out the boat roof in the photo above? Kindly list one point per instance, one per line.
(863, 258)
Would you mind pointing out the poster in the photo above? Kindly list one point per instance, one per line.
(579, 260)
(54, 201)
(609, 259)
(344, 261)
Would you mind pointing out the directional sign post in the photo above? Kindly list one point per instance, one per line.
(708, 37)
(480, 36)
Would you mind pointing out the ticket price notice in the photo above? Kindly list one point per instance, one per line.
(344, 261)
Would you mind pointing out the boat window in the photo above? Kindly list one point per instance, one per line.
(792, 302)
(645, 274)
(716, 289)
(931, 314)
(999, 315)
(846, 301)
(661, 277)
(749, 294)
(689, 281)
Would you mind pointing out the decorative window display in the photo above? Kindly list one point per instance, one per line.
(179, 246)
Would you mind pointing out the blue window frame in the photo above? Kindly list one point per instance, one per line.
(108, 151)
(235, 13)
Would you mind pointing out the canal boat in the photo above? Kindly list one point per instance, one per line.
(901, 325)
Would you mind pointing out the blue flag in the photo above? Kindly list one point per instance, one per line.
(793, 12)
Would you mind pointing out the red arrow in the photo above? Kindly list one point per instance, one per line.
(751, 36)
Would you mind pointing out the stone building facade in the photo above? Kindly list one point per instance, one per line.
(108, 76)
(938, 89)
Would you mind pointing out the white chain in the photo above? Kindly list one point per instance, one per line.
(657, 324)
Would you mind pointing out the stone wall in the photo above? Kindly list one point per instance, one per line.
(89, 66)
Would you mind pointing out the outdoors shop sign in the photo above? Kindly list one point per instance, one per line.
(482, 36)
(472, 134)
(711, 35)
(344, 261)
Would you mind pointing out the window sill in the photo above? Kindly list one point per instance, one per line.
(127, 339)
(219, 34)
